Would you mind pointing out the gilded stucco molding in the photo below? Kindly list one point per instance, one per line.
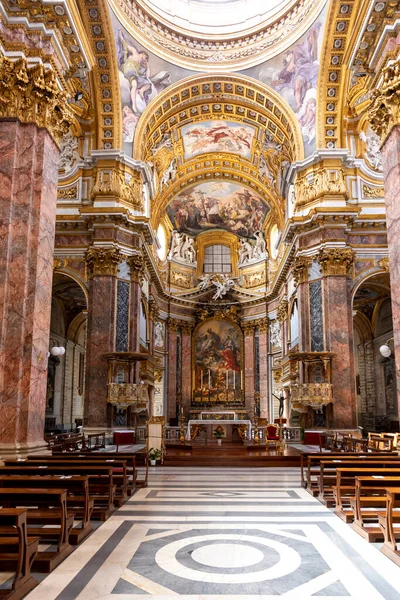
(123, 186)
(384, 264)
(137, 266)
(212, 53)
(31, 95)
(282, 312)
(300, 268)
(102, 261)
(336, 261)
(384, 111)
(320, 182)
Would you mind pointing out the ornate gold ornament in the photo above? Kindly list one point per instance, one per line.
(251, 280)
(173, 324)
(158, 375)
(301, 265)
(31, 95)
(316, 395)
(70, 193)
(384, 111)
(154, 311)
(248, 327)
(318, 184)
(102, 261)
(282, 312)
(137, 266)
(180, 279)
(121, 186)
(373, 192)
(187, 327)
(336, 261)
(384, 264)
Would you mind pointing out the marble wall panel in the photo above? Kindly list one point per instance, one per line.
(264, 391)
(316, 317)
(186, 371)
(122, 329)
(171, 385)
(249, 363)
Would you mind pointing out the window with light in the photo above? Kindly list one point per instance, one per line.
(217, 259)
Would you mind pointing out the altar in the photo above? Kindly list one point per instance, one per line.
(243, 426)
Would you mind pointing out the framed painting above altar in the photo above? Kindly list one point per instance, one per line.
(217, 363)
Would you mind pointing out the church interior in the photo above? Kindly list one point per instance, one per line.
(199, 320)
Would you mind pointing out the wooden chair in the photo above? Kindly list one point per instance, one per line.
(272, 434)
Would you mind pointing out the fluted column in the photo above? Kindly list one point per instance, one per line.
(33, 118)
(102, 266)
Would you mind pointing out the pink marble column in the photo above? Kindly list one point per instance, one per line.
(28, 195)
(171, 372)
(339, 339)
(249, 368)
(264, 392)
(100, 339)
(186, 370)
(391, 170)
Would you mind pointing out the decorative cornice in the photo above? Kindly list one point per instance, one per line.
(282, 312)
(336, 261)
(301, 265)
(102, 261)
(31, 95)
(137, 266)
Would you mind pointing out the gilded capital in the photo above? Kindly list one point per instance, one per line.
(282, 312)
(384, 110)
(173, 324)
(384, 263)
(336, 261)
(125, 187)
(102, 261)
(186, 327)
(301, 265)
(31, 95)
(248, 328)
(153, 308)
(136, 264)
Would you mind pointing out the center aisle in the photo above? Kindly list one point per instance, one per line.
(228, 533)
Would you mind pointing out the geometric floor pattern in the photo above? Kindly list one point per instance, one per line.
(203, 534)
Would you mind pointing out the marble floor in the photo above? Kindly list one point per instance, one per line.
(223, 533)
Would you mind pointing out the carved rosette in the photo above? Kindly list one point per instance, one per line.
(384, 110)
(31, 95)
(336, 261)
(300, 269)
(102, 261)
(282, 312)
(136, 264)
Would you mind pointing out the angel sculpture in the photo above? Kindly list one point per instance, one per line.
(260, 246)
(223, 286)
(169, 174)
(205, 281)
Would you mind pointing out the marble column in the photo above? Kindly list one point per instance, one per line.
(300, 272)
(391, 170)
(249, 369)
(171, 369)
(336, 264)
(186, 368)
(28, 195)
(136, 269)
(102, 264)
(263, 350)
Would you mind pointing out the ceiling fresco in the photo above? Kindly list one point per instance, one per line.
(217, 136)
(217, 204)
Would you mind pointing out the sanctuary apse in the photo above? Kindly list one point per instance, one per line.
(200, 212)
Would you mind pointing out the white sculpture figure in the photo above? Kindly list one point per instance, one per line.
(373, 153)
(223, 285)
(69, 153)
(260, 246)
(169, 174)
(245, 252)
(205, 281)
(159, 335)
(165, 142)
(188, 253)
(176, 245)
(275, 334)
(264, 170)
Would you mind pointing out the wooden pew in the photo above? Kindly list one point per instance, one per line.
(142, 460)
(44, 507)
(386, 520)
(17, 552)
(346, 482)
(369, 502)
(131, 470)
(78, 500)
(328, 468)
(120, 478)
(101, 487)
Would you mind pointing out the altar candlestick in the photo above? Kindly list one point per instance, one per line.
(209, 379)
(226, 378)
(201, 379)
(234, 375)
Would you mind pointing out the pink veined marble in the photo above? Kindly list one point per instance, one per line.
(28, 195)
(263, 348)
(171, 386)
(249, 371)
(186, 370)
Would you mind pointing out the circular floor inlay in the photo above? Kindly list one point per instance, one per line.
(227, 556)
(166, 558)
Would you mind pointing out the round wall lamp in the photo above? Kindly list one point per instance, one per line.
(56, 351)
(385, 349)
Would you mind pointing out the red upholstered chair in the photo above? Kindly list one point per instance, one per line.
(271, 434)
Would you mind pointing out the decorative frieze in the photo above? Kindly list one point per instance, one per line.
(317, 184)
(31, 95)
(336, 261)
(102, 261)
(126, 187)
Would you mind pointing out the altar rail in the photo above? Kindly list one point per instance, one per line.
(172, 434)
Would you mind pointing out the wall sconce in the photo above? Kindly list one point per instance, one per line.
(385, 349)
(56, 351)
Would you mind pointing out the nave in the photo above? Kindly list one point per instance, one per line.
(223, 533)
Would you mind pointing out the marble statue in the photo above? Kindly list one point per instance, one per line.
(165, 142)
(159, 335)
(275, 334)
(69, 153)
(260, 247)
(373, 149)
(176, 245)
(169, 174)
(188, 252)
(205, 281)
(264, 171)
(182, 247)
(245, 252)
(223, 284)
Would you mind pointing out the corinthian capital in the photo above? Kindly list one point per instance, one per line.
(336, 261)
(102, 261)
(31, 95)
(300, 269)
(384, 111)
(136, 264)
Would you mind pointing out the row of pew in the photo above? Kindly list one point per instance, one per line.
(49, 503)
(363, 490)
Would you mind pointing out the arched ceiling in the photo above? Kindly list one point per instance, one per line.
(222, 135)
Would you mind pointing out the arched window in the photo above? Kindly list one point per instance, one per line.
(217, 259)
